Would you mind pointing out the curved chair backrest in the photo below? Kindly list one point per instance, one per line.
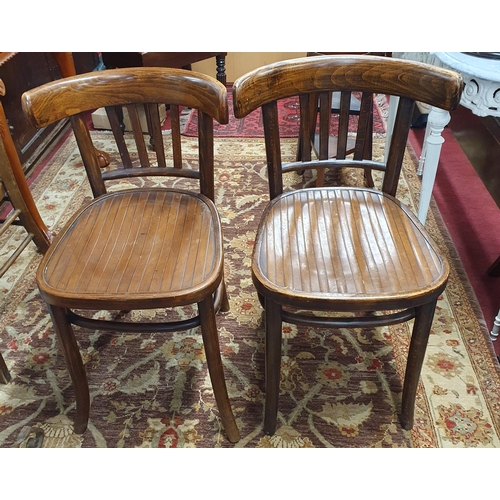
(134, 91)
(314, 79)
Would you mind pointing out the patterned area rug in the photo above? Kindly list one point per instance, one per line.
(339, 388)
(288, 110)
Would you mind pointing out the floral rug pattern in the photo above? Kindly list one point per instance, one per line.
(339, 387)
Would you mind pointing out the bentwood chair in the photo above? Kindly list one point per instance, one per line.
(357, 253)
(139, 247)
(15, 192)
(23, 212)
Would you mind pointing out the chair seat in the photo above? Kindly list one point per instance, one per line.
(349, 246)
(120, 249)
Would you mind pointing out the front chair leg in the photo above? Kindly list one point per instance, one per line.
(273, 364)
(215, 368)
(419, 339)
(75, 366)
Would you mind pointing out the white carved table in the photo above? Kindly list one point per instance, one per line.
(481, 95)
(481, 74)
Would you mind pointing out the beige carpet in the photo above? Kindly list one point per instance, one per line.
(339, 388)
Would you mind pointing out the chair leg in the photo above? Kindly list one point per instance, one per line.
(215, 368)
(418, 345)
(4, 372)
(273, 364)
(224, 307)
(320, 177)
(75, 366)
(262, 300)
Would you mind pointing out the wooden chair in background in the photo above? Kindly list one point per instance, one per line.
(15, 192)
(137, 248)
(354, 251)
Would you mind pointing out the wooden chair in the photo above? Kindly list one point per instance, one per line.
(353, 251)
(14, 191)
(137, 248)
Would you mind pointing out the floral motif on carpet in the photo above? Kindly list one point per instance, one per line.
(339, 387)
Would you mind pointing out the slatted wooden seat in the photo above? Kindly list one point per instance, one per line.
(356, 253)
(139, 247)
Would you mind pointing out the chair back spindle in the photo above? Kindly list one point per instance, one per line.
(137, 156)
(314, 79)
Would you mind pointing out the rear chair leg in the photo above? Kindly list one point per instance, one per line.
(4, 372)
(225, 300)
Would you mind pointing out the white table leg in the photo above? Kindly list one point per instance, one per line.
(429, 159)
(421, 161)
(391, 116)
(496, 327)
(431, 149)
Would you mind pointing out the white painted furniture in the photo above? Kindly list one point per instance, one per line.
(481, 74)
(481, 95)
(496, 327)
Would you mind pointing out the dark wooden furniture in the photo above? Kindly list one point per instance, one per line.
(14, 189)
(21, 71)
(137, 248)
(353, 251)
(165, 60)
